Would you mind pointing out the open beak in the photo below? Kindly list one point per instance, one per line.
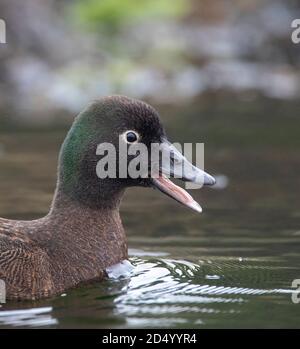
(174, 164)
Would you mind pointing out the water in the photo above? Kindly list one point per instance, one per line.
(231, 266)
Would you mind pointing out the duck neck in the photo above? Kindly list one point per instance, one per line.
(81, 237)
(74, 218)
(96, 201)
(83, 217)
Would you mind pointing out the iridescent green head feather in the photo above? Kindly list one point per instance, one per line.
(102, 121)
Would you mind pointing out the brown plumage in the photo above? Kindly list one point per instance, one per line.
(82, 234)
(71, 245)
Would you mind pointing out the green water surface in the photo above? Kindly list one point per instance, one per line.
(230, 267)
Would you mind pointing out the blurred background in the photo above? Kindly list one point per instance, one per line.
(61, 54)
(225, 73)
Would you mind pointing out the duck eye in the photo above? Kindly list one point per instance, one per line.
(131, 137)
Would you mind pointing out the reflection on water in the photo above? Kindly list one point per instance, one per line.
(160, 292)
(231, 266)
(28, 317)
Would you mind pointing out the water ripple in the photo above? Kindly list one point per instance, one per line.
(162, 291)
(34, 317)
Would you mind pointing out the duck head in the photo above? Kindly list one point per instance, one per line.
(113, 120)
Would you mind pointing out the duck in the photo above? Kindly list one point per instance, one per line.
(82, 235)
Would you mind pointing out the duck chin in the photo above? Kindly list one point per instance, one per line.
(166, 186)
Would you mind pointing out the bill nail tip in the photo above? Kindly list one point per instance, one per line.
(196, 207)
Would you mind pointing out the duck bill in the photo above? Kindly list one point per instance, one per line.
(174, 164)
